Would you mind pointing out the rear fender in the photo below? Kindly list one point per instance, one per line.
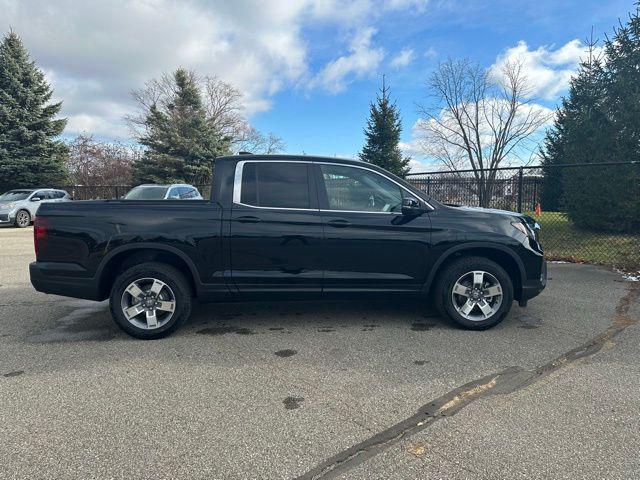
(104, 268)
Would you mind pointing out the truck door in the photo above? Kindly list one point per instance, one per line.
(275, 228)
(368, 243)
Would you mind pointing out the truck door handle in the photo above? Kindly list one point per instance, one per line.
(248, 219)
(339, 223)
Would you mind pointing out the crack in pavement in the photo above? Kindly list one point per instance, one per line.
(506, 381)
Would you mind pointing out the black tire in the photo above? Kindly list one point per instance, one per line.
(19, 222)
(443, 292)
(172, 277)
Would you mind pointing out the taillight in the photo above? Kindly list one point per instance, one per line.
(40, 232)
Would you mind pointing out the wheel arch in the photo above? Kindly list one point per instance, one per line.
(129, 255)
(500, 254)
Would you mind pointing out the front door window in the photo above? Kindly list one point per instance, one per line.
(358, 190)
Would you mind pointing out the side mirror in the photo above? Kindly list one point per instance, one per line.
(412, 207)
(35, 199)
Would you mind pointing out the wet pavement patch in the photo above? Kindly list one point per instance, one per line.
(285, 353)
(420, 362)
(325, 330)
(421, 326)
(13, 374)
(88, 321)
(223, 330)
(275, 329)
(527, 321)
(291, 403)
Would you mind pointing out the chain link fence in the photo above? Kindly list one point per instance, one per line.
(587, 213)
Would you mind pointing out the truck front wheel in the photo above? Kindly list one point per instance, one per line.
(150, 300)
(474, 292)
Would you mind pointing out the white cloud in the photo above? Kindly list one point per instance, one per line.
(430, 53)
(95, 54)
(363, 59)
(417, 5)
(548, 71)
(424, 147)
(404, 58)
(349, 11)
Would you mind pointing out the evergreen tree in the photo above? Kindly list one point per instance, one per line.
(382, 135)
(30, 155)
(618, 189)
(180, 143)
(577, 135)
(598, 123)
(623, 88)
(552, 153)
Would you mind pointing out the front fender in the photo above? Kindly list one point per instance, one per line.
(474, 246)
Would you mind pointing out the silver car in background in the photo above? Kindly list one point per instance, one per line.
(175, 191)
(19, 207)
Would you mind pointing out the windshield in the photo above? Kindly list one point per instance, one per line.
(15, 195)
(147, 193)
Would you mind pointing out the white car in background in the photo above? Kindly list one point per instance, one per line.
(175, 191)
(19, 206)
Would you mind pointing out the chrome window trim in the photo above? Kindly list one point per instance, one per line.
(237, 187)
(362, 211)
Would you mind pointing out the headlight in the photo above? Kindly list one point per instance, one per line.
(523, 228)
(7, 206)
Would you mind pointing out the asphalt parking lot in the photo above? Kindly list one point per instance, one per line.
(351, 390)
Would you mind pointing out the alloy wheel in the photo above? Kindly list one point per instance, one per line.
(477, 295)
(22, 219)
(148, 303)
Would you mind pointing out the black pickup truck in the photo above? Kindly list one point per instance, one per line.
(290, 227)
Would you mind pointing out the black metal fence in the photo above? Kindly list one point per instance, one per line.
(540, 193)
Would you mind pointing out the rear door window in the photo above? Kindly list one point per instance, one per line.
(275, 184)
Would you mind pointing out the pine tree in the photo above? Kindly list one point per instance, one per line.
(382, 135)
(180, 144)
(602, 125)
(623, 87)
(579, 135)
(618, 190)
(552, 153)
(30, 154)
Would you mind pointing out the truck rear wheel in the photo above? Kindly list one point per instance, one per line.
(150, 300)
(474, 292)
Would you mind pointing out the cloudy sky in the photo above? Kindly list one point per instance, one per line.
(308, 68)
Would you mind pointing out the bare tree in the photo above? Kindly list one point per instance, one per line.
(254, 141)
(224, 107)
(93, 163)
(479, 119)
